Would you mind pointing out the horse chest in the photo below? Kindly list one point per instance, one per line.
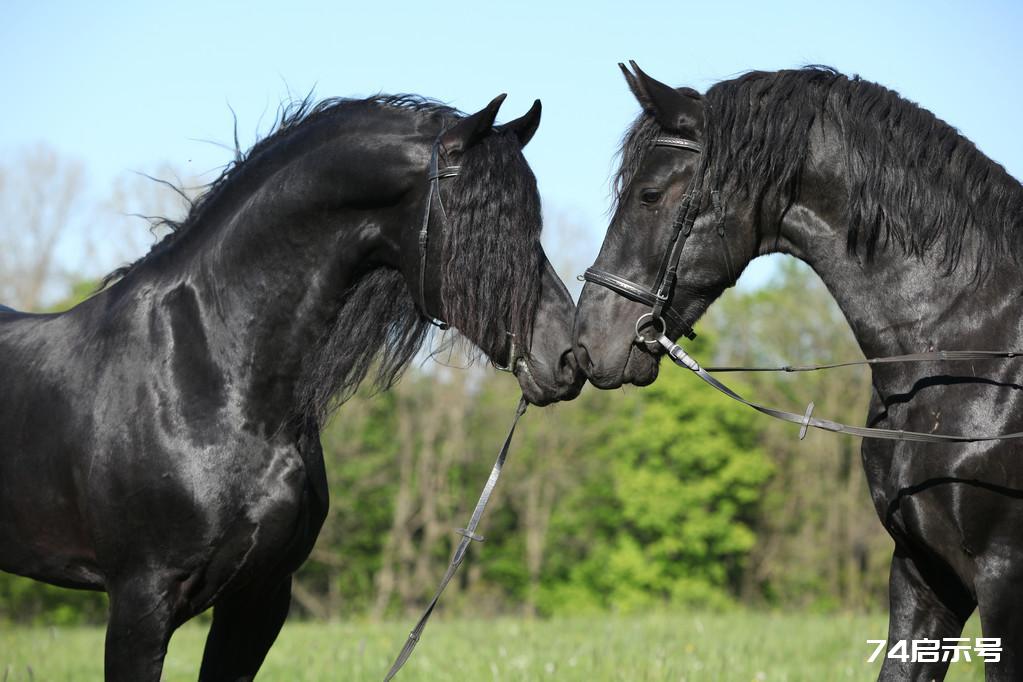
(262, 527)
(275, 505)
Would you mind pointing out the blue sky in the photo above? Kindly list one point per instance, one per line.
(124, 86)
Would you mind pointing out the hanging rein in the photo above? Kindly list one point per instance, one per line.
(469, 534)
(436, 173)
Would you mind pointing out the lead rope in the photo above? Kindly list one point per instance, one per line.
(806, 420)
(468, 536)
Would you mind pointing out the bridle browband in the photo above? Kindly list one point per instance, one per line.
(659, 296)
(659, 300)
(435, 174)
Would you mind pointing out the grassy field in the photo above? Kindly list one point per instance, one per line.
(737, 647)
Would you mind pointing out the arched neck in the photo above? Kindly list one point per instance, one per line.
(261, 275)
(900, 303)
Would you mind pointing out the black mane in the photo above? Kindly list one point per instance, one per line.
(491, 271)
(914, 181)
(492, 259)
(291, 116)
(378, 322)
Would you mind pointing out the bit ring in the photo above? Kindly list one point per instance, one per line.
(654, 319)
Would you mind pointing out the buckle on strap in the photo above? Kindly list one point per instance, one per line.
(806, 421)
(466, 533)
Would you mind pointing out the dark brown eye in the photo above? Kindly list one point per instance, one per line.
(650, 196)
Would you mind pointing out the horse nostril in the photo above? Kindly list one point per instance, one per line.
(582, 357)
(568, 367)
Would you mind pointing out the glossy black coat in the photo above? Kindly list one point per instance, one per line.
(955, 511)
(152, 443)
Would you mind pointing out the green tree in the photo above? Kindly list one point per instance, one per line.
(673, 482)
(820, 544)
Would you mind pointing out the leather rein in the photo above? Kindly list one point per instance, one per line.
(469, 534)
(659, 298)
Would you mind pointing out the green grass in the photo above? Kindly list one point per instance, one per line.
(736, 647)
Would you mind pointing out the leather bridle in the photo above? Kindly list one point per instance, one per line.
(436, 173)
(659, 298)
(469, 534)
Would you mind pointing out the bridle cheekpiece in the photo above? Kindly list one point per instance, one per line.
(659, 296)
(436, 173)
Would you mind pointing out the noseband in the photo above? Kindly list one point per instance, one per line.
(659, 296)
(436, 174)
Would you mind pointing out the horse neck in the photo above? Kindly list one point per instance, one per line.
(897, 302)
(263, 274)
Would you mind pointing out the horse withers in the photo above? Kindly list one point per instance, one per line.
(915, 233)
(160, 441)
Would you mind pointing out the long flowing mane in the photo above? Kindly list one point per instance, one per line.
(491, 257)
(490, 281)
(492, 254)
(914, 182)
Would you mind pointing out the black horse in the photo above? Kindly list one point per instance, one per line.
(916, 234)
(160, 441)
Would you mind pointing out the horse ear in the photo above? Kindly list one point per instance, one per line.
(630, 80)
(525, 126)
(472, 129)
(676, 111)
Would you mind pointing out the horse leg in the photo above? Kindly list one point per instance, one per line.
(925, 603)
(245, 625)
(140, 625)
(1001, 617)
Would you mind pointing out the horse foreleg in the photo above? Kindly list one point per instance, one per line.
(924, 604)
(245, 625)
(1001, 617)
(141, 621)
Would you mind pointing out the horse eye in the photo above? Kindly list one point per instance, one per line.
(650, 196)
